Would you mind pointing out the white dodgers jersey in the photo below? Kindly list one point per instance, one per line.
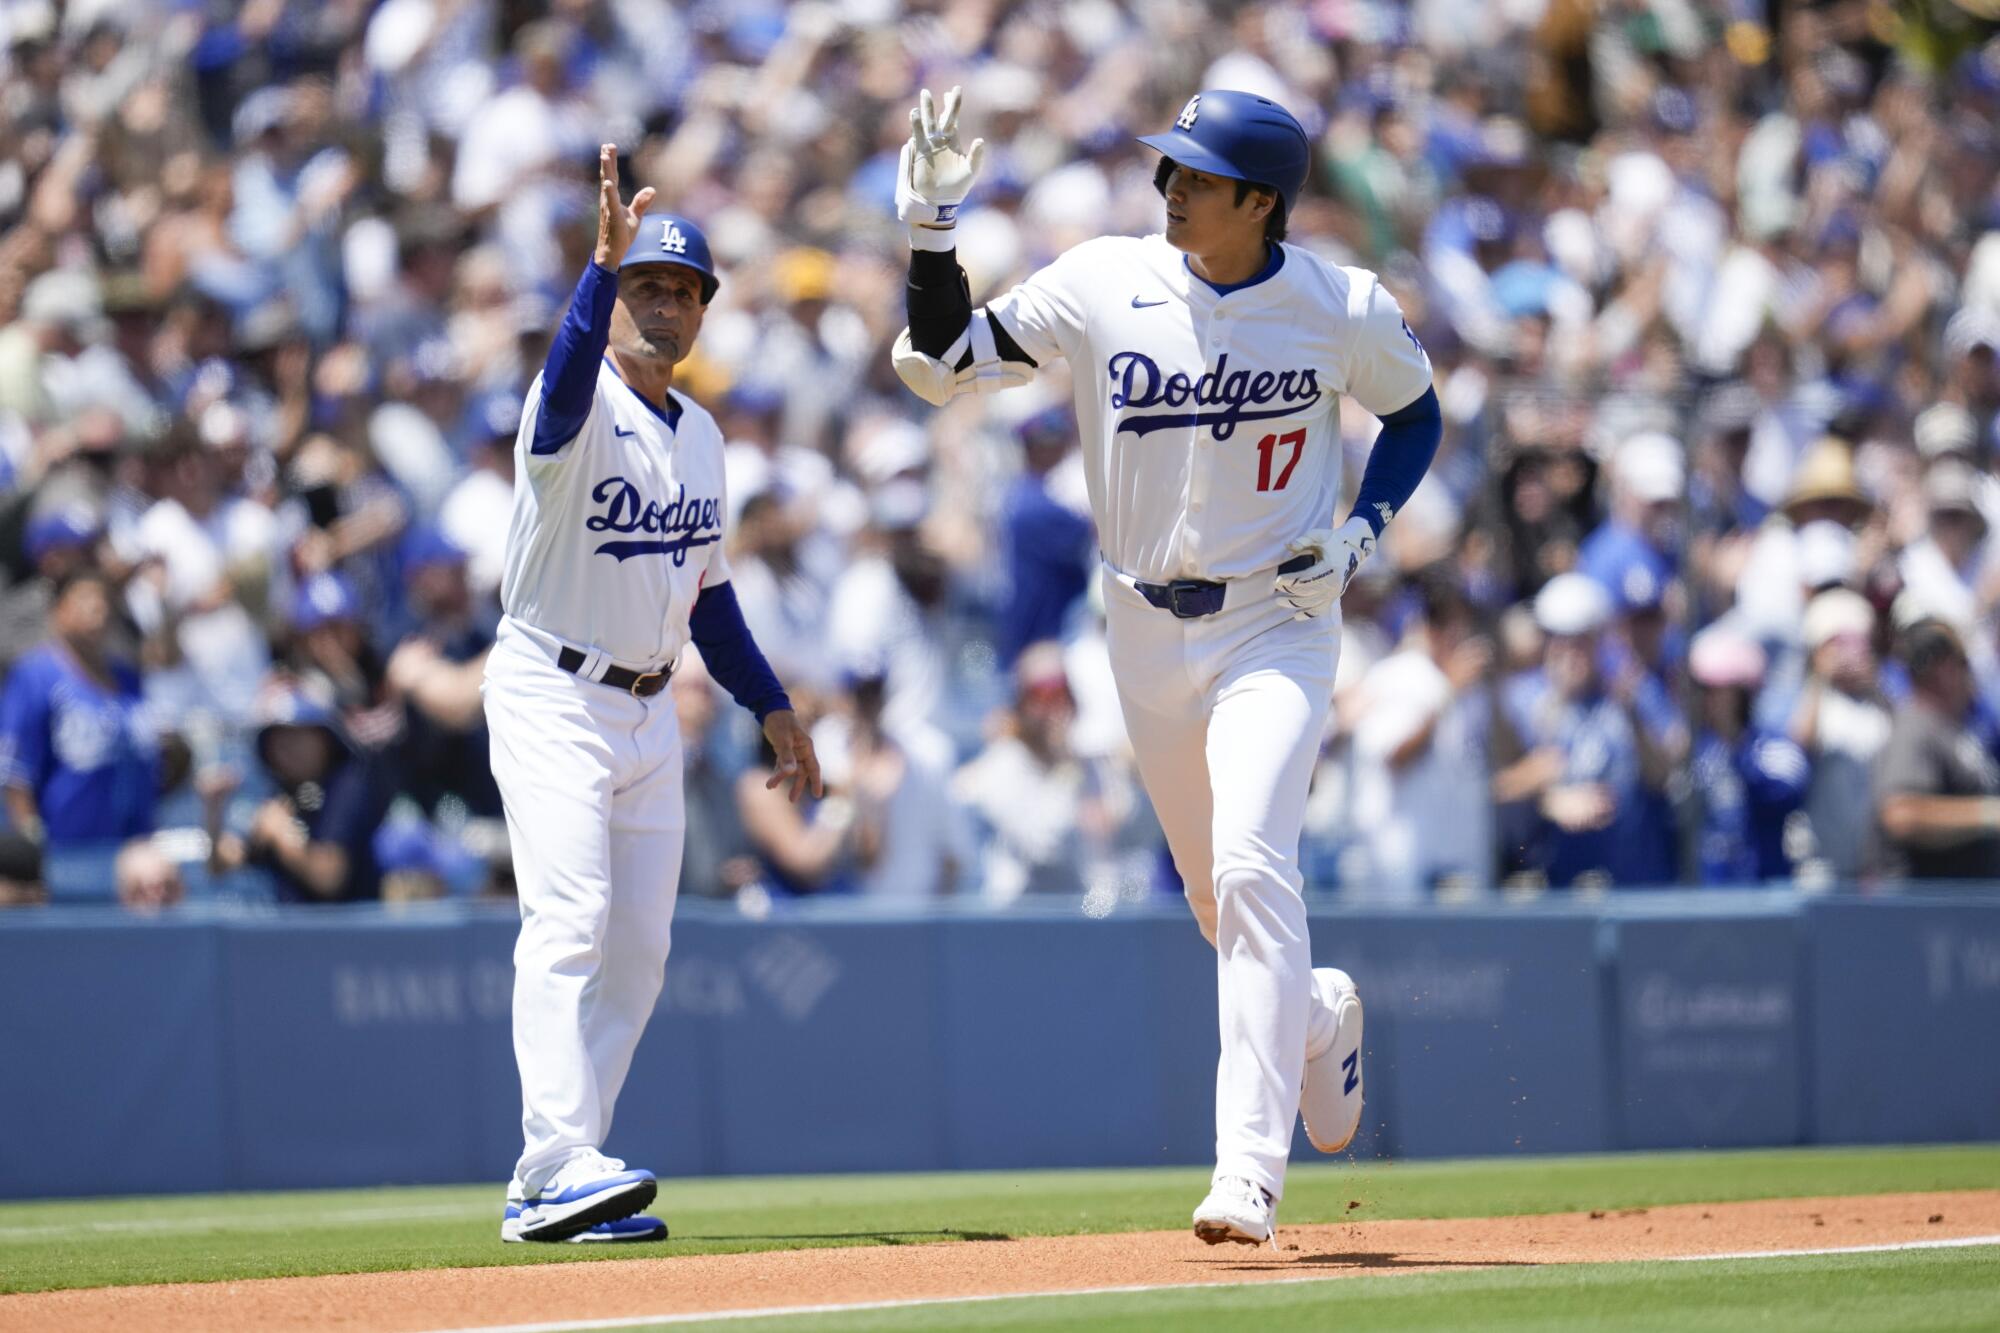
(1211, 423)
(615, 533)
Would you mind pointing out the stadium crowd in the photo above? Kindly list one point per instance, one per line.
(1700, 590)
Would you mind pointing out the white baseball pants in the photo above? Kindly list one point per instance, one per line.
(1225, 714)
(591, 778)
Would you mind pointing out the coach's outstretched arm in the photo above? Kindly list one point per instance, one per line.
(569, 376)
(948, 348)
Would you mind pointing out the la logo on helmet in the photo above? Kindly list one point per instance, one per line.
(1186, 119)
(671, 239)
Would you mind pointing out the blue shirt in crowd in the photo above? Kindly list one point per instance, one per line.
(1598, 745)
(1628, 566)
(1049, 548)
(345, 810)
(1747, 790)
(81, 747)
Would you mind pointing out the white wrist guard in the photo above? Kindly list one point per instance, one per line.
(936, 379)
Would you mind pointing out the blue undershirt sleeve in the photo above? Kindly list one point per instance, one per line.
(569, 377)
(732, 656)
(1402, 454)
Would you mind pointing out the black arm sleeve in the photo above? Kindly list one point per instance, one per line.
(939, 303)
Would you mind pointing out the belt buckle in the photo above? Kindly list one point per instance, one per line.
(641, 679)
(1174, 591)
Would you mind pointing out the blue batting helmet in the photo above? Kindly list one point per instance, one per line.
(663, 238)
(1239, 135)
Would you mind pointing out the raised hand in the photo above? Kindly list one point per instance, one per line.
(934, 173)
(617, 224)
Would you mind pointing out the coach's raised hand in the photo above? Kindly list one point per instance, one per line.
(616, 223)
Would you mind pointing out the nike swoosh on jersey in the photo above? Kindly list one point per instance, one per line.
(622, 433)
(1137, 304)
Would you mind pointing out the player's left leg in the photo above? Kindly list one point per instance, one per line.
(648, 829)
(1270, 703)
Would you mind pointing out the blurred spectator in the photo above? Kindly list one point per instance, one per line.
(805, 848)
(1048, 542)
(888, 608)
(1638, 660)
(193, 544)
(1585, 759)
(20, 871)
(335, 658)
(79, 757)
(57, 543)
(1635, 552)
(1420, 808)
(1824, 489)
(1940, 570)
(316, 836)
(436, 671)
(909, 844)
(784, 605)
(1042, 812)
(1842, 722)
(1748, 782)
(1937, 790)
(717, 858)
(475, 514)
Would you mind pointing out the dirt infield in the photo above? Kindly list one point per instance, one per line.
(468, 1298)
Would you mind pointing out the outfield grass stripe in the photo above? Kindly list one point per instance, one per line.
(246, 1221)
(1950, 1243)
(641, 1322)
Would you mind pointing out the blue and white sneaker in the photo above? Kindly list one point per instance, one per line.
(588, 1190)
(625, 1230)
(1330, 1102)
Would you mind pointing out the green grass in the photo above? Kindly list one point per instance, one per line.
(205, 1238)
(1862, 1293)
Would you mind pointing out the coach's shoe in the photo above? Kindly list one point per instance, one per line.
(623, 1231)
(1331, 1100)
(1236, 1209)
(586, 1191)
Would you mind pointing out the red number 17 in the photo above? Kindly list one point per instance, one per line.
(1267, 447)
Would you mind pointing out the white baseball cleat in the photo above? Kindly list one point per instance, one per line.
(588, 1190)
(623, 1231)
(1331, 1100)
(1236, 1209)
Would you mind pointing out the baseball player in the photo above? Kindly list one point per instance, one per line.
(1208, 365)
(614, 561)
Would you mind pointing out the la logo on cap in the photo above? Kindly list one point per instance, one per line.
(671, 239)
(1188, 113)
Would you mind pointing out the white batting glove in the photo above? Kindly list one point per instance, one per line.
(1339, 553)
(934, 173)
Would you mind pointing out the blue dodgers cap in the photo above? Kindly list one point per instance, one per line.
(426, 545)
(325, 597)
(492, 415)
(665, 238)
(283, 702)
(71, 526)
(1239, 135)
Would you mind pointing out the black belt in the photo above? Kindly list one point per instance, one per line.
(638, 684)
(1191, 599)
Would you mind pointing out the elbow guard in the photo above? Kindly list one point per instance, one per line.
(971, 364)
